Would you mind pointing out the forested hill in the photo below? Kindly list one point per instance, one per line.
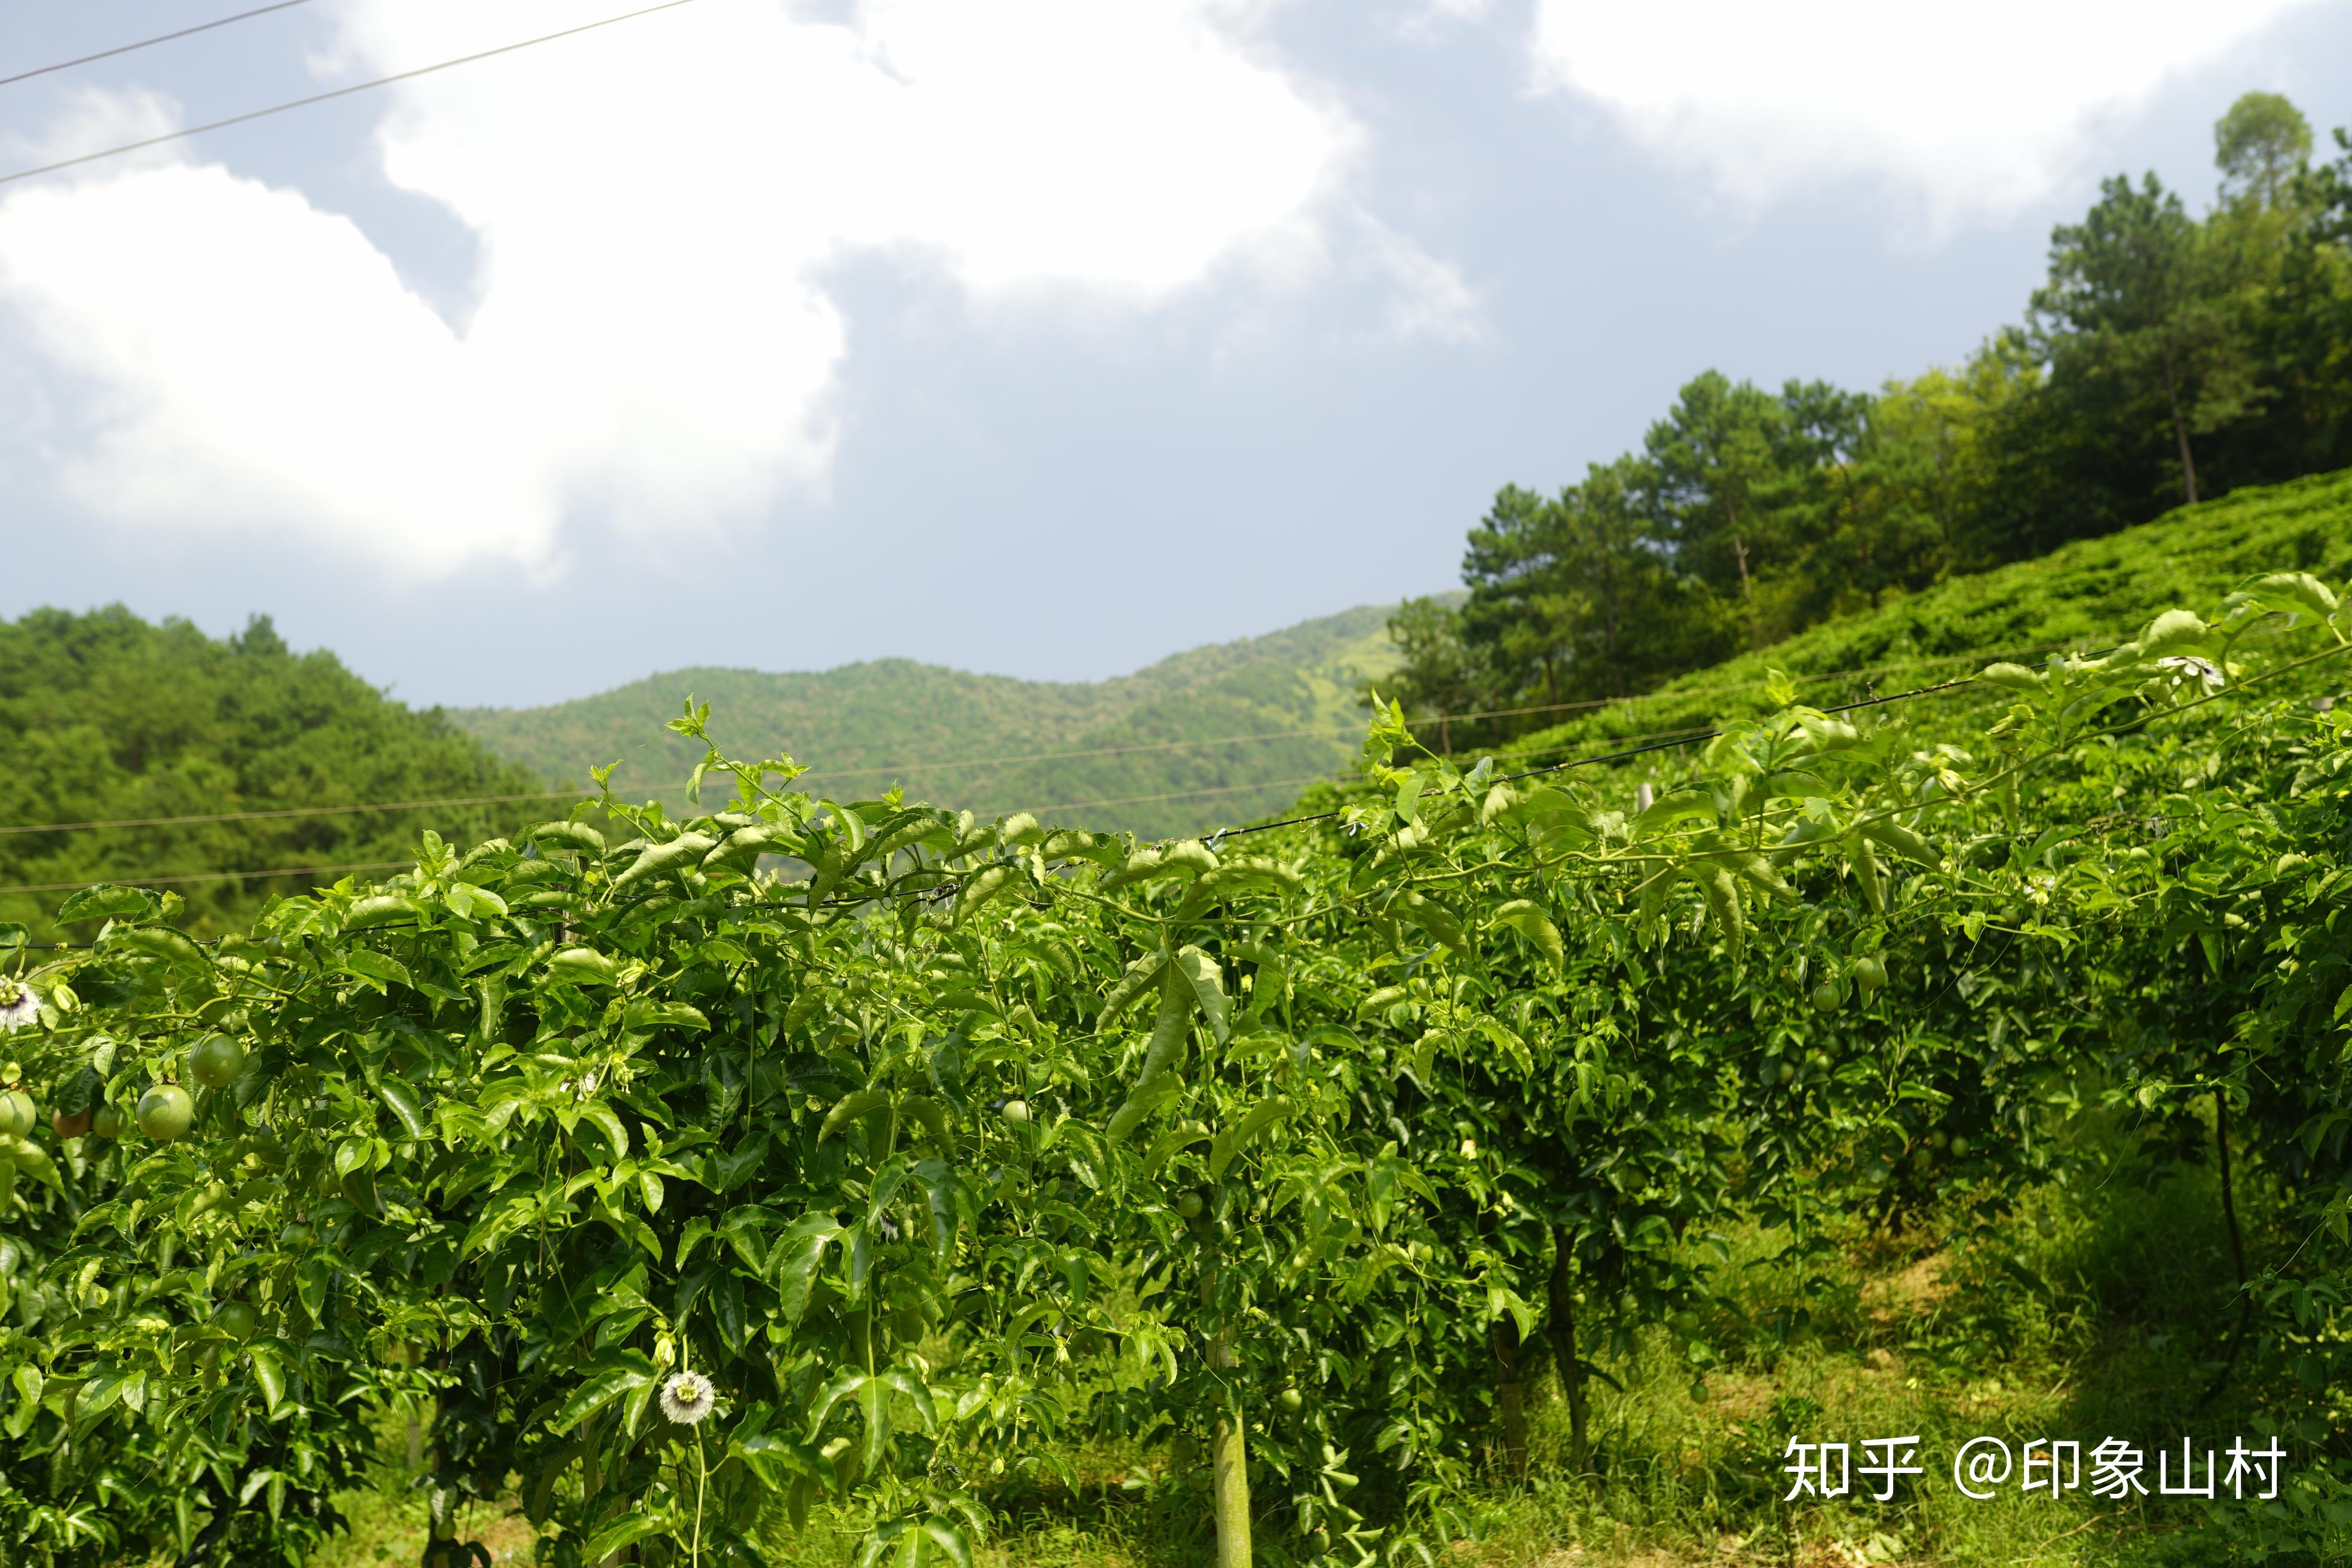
(1217, 734)
(104, 717)
(2069, 598)
(2169, 357)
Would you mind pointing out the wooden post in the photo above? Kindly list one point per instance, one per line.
(1229, 1468)
(1510, 1401)
(1563, 1347)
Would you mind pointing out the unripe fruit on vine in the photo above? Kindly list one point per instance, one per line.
(1959, 1143)
(215, 1061)
(65, 1126)
(1200, 1481)
(111, 1121)
(294, 1236)
(1826, 998)
(1869, 973)
(1819, 1061)
(1936, 1140)
(1189, 1206)
(1184, 1449)
(1291, 1401)
(1788, 1072)
(1016, 1110)
(165, 1112)
(1319, 1540)
(16, 1113)
(237, 1318)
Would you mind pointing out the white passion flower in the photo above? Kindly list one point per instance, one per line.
(688, 1397)
(2188, 669)
(18, 1004)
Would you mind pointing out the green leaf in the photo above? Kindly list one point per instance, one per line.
(1164, 1147)
(382, 909)
(32, 1159)
(1669, 809)
(163, 942)
(1200, 973)
(270, 1375)
(2012, 677)
(624, 1372)
(1141, 976)
(2175, 632)
(849, 1108)
(646, 1015)
(397, 1094)
(803, 1250)
(603, 1117)
(1528, 919)
(375, 969)
(583, 966)
(470, 903)
(106, 901)
(628, 1531)
(1233, 1140)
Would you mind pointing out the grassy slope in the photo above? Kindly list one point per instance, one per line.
(2080, 594)
(867, 726)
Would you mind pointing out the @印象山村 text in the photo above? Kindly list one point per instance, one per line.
(1984, 1467)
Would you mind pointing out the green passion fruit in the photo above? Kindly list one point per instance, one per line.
(111, 1121)
(1016, 1110)
(294, 1236)
(1826, 998)
(237, 1318)
(1869, 973)
(1190, 1206)
(165, 1112)
(1788, 1072)
(1291, 1401)
(72, 1126)
(216, 1060)
(16, 1113)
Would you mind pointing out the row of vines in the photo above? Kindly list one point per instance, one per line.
(689, 1197)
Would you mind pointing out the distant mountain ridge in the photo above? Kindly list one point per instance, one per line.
(1216, 734)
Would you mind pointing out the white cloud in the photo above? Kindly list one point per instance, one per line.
(654, 203)
(1974, 110)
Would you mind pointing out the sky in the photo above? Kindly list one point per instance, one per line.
(1036, 337)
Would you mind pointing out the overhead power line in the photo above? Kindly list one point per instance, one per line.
(287, 811)
(150, 43)
(335, 93)
(211, 877)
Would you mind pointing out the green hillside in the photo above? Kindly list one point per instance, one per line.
(1218, 734)
(171, 757)
(2079, 592)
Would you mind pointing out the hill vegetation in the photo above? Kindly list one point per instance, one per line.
(105, 719)
(1217, 734)
(2168, 359)
(2069, 599)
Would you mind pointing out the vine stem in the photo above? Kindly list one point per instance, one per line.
(2237, 1249)
(701, 1489)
